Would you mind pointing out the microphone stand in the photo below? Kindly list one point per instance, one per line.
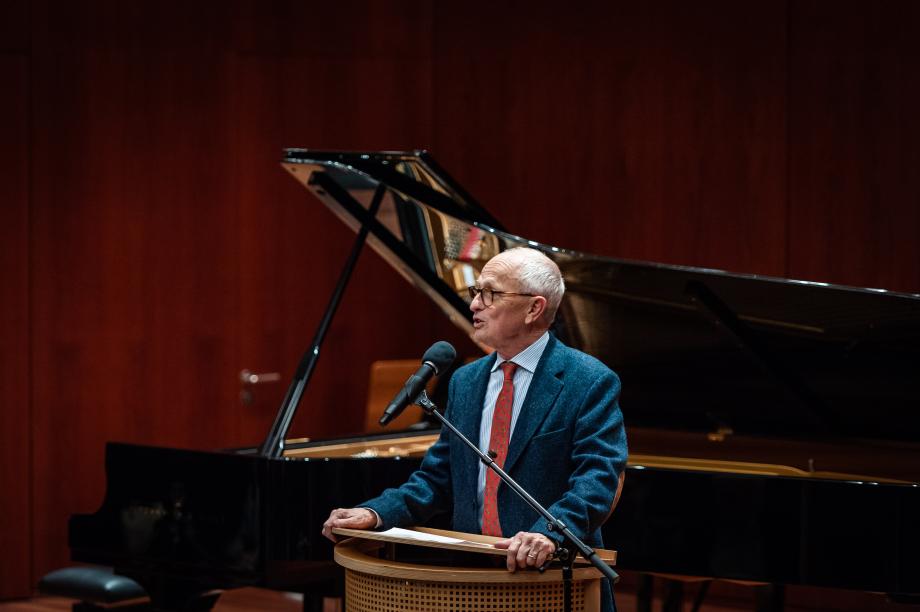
(565, 553)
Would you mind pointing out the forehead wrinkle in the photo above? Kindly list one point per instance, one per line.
(499, 270)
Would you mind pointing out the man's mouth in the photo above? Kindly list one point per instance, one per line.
(477, 323)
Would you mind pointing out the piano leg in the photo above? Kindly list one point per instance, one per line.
(325, 596)
(673, 596)
(170, 595)
(318, 603)
(769, 598)
(645, 593)
(700, 596)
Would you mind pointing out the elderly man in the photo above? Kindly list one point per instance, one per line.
(547, 411)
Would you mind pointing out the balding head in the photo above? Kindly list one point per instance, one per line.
(520, 293)
(537, 274)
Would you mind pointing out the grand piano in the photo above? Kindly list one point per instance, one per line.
(772, 423)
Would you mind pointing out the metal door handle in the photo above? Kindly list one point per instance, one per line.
(249, 379)
(252, 378)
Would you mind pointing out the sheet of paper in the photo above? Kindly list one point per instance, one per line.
(427, 537)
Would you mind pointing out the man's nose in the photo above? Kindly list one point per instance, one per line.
(476, 305)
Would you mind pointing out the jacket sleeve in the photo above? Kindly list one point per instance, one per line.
(598, 458)
(426, 493)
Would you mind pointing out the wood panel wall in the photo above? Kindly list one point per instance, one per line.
(157, 249)
(658, 127)
(854, 189)
(15, 513)
(15, 408)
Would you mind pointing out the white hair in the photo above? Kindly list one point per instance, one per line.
(538, 274)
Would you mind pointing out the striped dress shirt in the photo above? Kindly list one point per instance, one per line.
(526, 361)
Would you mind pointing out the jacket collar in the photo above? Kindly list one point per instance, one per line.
(541, 396)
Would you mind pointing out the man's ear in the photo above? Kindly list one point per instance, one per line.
(536, 309)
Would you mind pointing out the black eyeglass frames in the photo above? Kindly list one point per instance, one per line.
(488, 295)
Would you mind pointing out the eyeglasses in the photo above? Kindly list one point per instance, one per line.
(487, 295)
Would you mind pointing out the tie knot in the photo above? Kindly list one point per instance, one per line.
(508, 368)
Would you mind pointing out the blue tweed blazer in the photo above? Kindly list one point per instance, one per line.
(567, 450)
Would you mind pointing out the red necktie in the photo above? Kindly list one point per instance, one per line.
(498, 442)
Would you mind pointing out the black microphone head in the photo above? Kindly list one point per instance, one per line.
(440, 355)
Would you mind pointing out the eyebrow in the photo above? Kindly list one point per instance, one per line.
(490, 285)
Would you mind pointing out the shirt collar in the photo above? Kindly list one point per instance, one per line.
(529, 357)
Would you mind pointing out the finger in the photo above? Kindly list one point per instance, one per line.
(359, 519)
(327, 526)
(542, 557)
(531, 559)
(511, 561)
(346, 521)
(522, 553)
(505, 543)
(333, 521)
(511, 558)
(551, 548)
(527, 553)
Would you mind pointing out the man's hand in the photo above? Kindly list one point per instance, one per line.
(527, 550)
(349, 518)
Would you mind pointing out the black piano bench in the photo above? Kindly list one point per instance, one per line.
(97, 588)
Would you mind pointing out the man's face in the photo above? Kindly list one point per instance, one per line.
(501, 324)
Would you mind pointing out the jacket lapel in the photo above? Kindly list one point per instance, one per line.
(468, 420)
(542, 394)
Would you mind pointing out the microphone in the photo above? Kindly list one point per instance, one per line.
(435, 360)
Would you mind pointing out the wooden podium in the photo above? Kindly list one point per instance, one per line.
(375, 583)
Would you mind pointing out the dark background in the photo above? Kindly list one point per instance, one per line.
(151, 247)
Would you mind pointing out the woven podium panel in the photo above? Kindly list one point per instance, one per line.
(369, 593)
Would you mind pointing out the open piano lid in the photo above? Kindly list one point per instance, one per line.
(698, 350)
